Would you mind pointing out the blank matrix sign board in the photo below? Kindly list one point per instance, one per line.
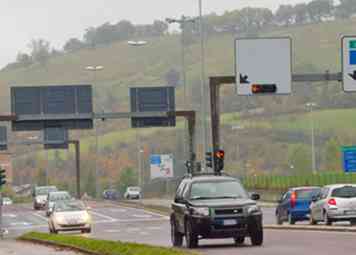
(263, 65)
(152, 99)
(65, 106)
(349, 63)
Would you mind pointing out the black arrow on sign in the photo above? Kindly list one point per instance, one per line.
(353, 75)
(244, 79)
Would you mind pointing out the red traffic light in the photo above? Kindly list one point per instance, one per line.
(264, 88)
(220, 154)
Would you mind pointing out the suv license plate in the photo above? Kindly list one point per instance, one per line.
(229, 222)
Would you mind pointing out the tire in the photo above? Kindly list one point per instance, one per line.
(176, 237)
(190, 237)
(327, 220)
(256, 237)
(353, 222)
(239, 240)
(291, 221)
(86, 231)
(54, 231)
(279, 221)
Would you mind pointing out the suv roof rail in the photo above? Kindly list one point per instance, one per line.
(190, 175)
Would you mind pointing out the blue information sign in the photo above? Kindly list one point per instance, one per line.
(349, 159)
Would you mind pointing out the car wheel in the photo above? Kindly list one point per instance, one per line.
(54, 231)
(86, 231)
(256, 235)
(291, 221)
(176, 237)
(239, 240)
(353, 222)
(327, 220)
(190, 237)
(279, 221)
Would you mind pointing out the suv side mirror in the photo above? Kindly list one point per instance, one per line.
(255, 196)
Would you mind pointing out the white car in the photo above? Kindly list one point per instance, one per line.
(133, 193)
(69, 215)
(334, 203)
(6, 201)
(54, 197)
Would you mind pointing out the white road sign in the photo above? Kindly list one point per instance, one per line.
(349, 63)
(161, 166)
(263, 65)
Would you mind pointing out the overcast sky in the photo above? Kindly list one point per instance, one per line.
(57, 21)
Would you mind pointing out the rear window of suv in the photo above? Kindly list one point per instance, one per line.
(307, 193)
(344, 192)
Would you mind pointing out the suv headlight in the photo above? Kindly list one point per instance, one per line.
(201, 211)
(253, 209)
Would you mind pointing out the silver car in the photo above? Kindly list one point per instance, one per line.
(334, 203)
(54, 197)
(69, 216)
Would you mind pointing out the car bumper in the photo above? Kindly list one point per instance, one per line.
(207, 227)
(300, 214)
(39, 204)
(342, 214)
(72, 227)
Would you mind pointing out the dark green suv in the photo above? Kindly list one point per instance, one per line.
(211, 206)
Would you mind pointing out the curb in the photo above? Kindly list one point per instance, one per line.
(311, 228)
(58, 245)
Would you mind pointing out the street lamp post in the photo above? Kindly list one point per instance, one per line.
(311, 105)
(95, 69)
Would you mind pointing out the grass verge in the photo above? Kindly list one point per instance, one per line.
(102, 247)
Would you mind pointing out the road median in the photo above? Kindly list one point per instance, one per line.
(98, 247)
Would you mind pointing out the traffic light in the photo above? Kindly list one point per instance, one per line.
(219, 160)
(209, 159)
(2, 177)
(263, 88)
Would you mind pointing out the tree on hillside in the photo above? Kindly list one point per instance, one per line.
(319, 9)
(73, 44)
(254, 18)
(128, 177)
(332, 155)
(346, 9)
(301, 13)
(159, 28)
(284, 15)
(23, 59)
(172, 77)
(125, 30)
(40, 51)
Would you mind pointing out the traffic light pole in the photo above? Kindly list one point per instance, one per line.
(217, 81)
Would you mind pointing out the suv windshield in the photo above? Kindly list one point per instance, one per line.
(45, 190)
(221, 189)
(344, 192)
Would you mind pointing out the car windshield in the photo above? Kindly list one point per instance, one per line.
(307, 193)
(344, 192)
(59, 196)
(43, 191)
(69, 206)
(220, 189)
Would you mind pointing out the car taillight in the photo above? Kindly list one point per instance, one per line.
(332, 201)
(293, 199)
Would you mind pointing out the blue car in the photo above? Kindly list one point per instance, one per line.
(294, 205)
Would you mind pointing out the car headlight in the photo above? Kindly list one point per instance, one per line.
(86, 217)
(60, 219)
(253, 209)
(201, 211)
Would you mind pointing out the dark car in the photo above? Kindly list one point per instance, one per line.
(210, 206)
(111, 194)
(294, 205)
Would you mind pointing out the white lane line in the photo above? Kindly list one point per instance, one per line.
(140, 210)
(20, 224)
(113, 230)
(103, 216)
(27, 227)
(142, 216)
(9, 215)
(117, 210)
(144, 233)
(143, 220)
(40, 216)
(154, 228)
(133, 229)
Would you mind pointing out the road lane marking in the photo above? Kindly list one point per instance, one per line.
(103, 216)
(133, 229)
(20, 224)
(142, 216)
(40, 216)
(154, 228)
(140, 210)
(9, 215)
(113, 230)
(143, 233)
(143, 220)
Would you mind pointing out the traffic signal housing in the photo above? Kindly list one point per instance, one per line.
(264, 88)
(209, 159)
(2, 177)
(219, 160)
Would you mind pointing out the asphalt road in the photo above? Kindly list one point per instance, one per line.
(115, 222)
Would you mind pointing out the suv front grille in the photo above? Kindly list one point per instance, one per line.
(230, 211)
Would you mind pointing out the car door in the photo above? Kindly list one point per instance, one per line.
(284, 205)
(318, 207)
(179, 206)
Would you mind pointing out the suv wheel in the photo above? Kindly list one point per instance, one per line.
(176, 237)
(256, 234)
(239, 240)
(353, 222)
(291, 221)
(190, 237)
